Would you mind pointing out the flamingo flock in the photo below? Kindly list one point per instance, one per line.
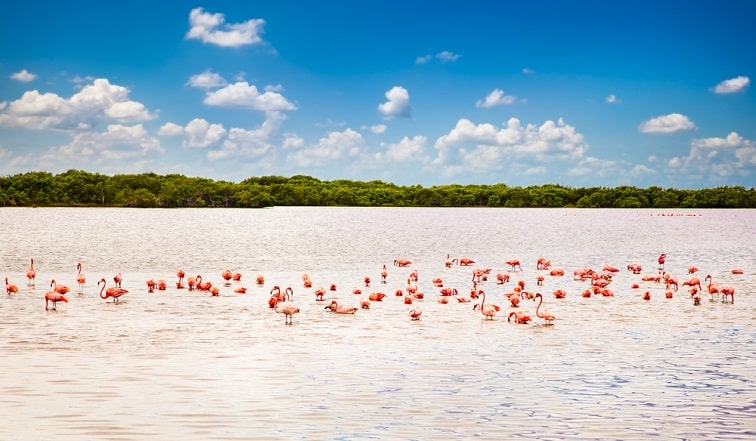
(281, 299)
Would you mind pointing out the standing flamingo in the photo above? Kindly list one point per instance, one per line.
(546, 315)
(115, 292)
(712, 287)
(54, 297)
(727, 291)
(520, 317)
(10, 288)
(415, 313)
(384, 273)
(60, 289)
(81, 279)
(180, 282)
(514, 263)
(488, 311)
(227, 275)
(31, 274)
(288, 309)
(117, 279)
(662, 258)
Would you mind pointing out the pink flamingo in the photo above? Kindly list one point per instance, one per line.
(488, 311)
(728, 291)
(54, 297)
(546, 315)
(514, 263)
(520, 317)
(227, 275)
(338, 308)
(81, 279)
(662, 258)
(115, 292)
(287, 308)
(31, 274)
(415, 313)
(384, 273)
(60, 289)
(117, 279)
(10, 288)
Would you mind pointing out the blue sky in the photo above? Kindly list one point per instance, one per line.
(577, 93)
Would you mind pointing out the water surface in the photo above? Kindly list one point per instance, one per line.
(176, 364)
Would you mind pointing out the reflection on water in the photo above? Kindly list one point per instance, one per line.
(176, 364)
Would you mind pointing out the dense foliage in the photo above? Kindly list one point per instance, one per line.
(81, 188)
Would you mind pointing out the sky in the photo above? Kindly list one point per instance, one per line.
(576, 93)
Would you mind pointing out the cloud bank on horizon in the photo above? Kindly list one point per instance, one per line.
(267, 90)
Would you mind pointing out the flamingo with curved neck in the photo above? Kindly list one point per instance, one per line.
(114, 292)
(546, 315)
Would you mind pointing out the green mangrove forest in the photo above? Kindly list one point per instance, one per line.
(150, 190)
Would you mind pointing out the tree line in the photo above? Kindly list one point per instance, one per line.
(150, 190)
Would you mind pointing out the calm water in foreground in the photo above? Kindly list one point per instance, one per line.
(180, 365)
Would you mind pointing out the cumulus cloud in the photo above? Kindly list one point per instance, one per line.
(495, 98)
(398, 104)
(718, 157)
(245, 95)
(674, 122)
(407, 150)
(118, 142)
(212, 29)
(170, 129)
(96, 102)
(612, 98)
(207, 80)
(24, 76)
(201, 134)
(334, 147)
(488, 147)
(733, 85)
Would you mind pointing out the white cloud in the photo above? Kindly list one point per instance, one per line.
(718, 157)
(99, 101)
(398, 104)
(527, 71)
(674, 122)
(253, 142)
(487, 147)
(118, 142)
(170, 129)
(591, 166)
(376, 129)
(245, 95)
(495, 98)
(202, 134)
(334, 147)
(447, 57)
(612, 98)
(207, 80)
(406, 150)
(204, 26)
(733, 85)
(292, 141)
(24, 76)
(423, 59)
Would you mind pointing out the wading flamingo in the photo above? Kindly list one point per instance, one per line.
(54, 297)
(180, 274)
(465, 261)
(546, 315)
(151, 285)
(60, 289)
(260, 280)
(81, 279)
(662, 258)
(236, 277)
(384, 273)
(338, 308)
(727, 291)
(402, 262)
(693, 282)
(227, 275)
(115, 292)
(542, 263)
(319, 293)
(713, 287)
(488, 311)
(31, 274)
(10, 288)
(117, 279)
(288, 309)
(521, 318)
(415, 313)
(513, 263)
(737, 271)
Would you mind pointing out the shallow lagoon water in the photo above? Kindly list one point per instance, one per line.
(176, 364)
